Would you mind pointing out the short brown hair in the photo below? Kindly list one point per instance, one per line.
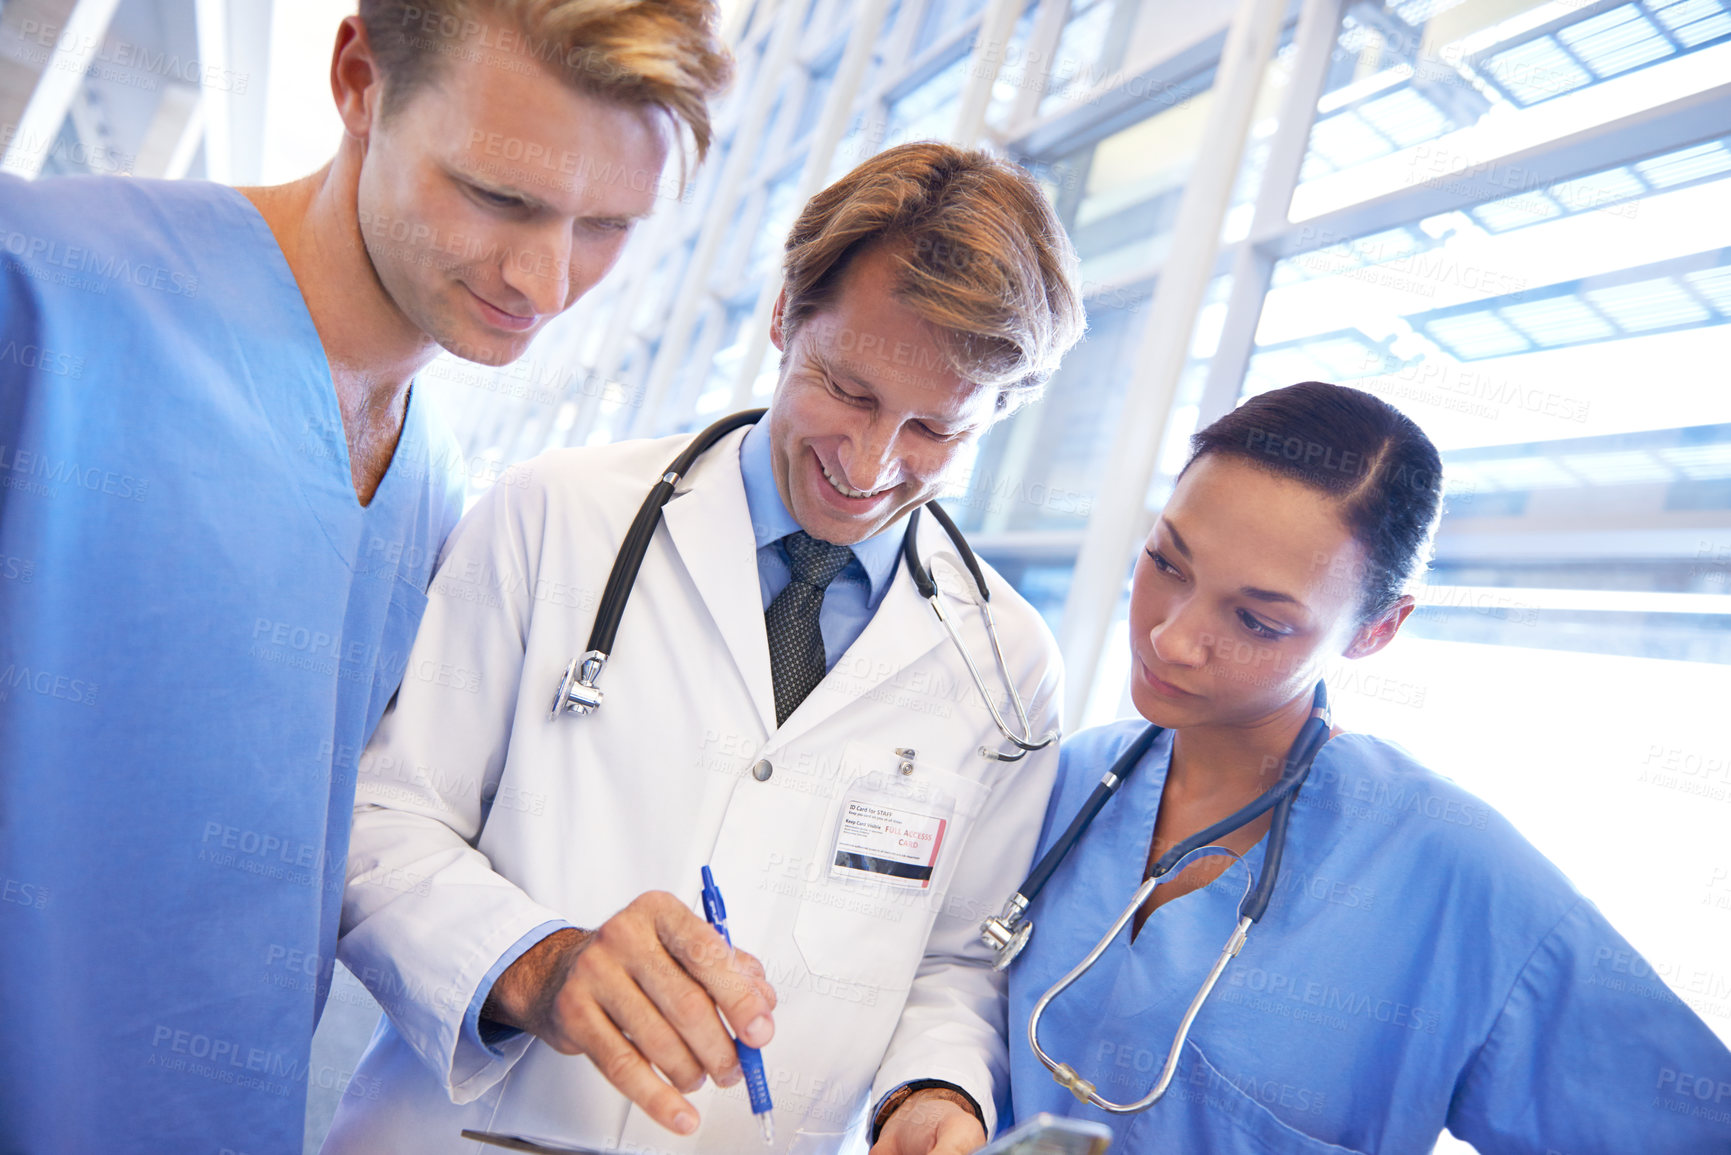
(979, 253)
(666, 53)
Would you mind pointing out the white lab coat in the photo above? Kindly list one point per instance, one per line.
(478, 818)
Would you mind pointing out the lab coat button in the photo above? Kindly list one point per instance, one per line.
(762, 770)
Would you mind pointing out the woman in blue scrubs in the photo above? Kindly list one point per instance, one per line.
(1421, 966)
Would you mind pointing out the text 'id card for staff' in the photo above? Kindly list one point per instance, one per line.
(887, 844)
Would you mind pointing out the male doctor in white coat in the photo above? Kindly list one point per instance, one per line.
(522, 888)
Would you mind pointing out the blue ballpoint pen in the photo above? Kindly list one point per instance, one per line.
(750, 1058)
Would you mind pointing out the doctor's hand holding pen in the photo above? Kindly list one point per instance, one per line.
(651, 985)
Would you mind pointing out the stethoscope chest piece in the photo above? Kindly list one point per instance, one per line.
(1006, 937)
(577, 691)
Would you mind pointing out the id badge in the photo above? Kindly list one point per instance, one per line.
(889, 843)
(896, 818)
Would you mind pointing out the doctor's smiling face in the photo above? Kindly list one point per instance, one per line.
(492, 198)
(928, 293)
(869, 417)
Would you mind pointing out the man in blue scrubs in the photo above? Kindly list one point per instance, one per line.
(220, 502)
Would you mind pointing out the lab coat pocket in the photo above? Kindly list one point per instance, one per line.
(883, 861)
(1205, 1110)
(402, 619)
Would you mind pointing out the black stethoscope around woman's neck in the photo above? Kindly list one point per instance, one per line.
(1008, 933)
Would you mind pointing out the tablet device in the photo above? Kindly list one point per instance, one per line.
(1042, 1135)
(524, 1143)
(1046, 1134)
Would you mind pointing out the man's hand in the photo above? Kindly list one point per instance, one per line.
(930, 1122)
(645, 988)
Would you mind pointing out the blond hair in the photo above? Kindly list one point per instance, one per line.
(664, 53)
(978, 252)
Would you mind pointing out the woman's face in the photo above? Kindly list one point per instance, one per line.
(1247, 586)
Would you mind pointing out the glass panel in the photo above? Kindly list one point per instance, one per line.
(657, 294)
(724, 366)
(1589, 307)
(942, 17)
(1119, 197)
(874, 71)
(1561, 348)
(1080, 61)
(769, 239)
(1419, 90)
(928, 112)
(817, 88)
(621, 397)
(1040, 468)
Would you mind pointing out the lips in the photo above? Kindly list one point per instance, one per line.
(1164, 688)
(499, 318)
(844, 499)
(847, 490)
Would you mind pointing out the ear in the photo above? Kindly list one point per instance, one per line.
(1374, 635)
(776, 336)
(356, 85)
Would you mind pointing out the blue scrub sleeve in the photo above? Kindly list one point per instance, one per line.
(489, 1035)
(1592, 1052)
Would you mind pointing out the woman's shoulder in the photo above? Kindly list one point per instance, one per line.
(1371, 777)
(1381, 799)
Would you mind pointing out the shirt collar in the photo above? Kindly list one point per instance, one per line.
(770, 520)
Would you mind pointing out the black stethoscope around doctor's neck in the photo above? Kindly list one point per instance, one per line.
(1007, 933)
(579, 694)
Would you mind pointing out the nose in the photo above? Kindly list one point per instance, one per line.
(1179, 640)
(868, 456)
(538, 270)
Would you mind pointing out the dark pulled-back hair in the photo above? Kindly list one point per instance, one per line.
(1376, 463)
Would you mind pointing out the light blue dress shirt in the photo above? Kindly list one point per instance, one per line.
(1421, 966)
(853, 597)
(848, 604)
(200, 626)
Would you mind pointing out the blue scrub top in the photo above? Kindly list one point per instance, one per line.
(200, 625)
(1421, 966)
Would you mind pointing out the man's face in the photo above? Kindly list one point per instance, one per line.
(497, 195)
(868, 418)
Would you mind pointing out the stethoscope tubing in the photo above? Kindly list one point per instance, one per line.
(1279, 798)
(578, 690)
(622, 578)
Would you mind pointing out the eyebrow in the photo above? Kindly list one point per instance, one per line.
(1255, 592)
(836, 369)
(530, 200)
(1177, 538)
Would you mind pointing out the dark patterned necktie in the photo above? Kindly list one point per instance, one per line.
(796, 655)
